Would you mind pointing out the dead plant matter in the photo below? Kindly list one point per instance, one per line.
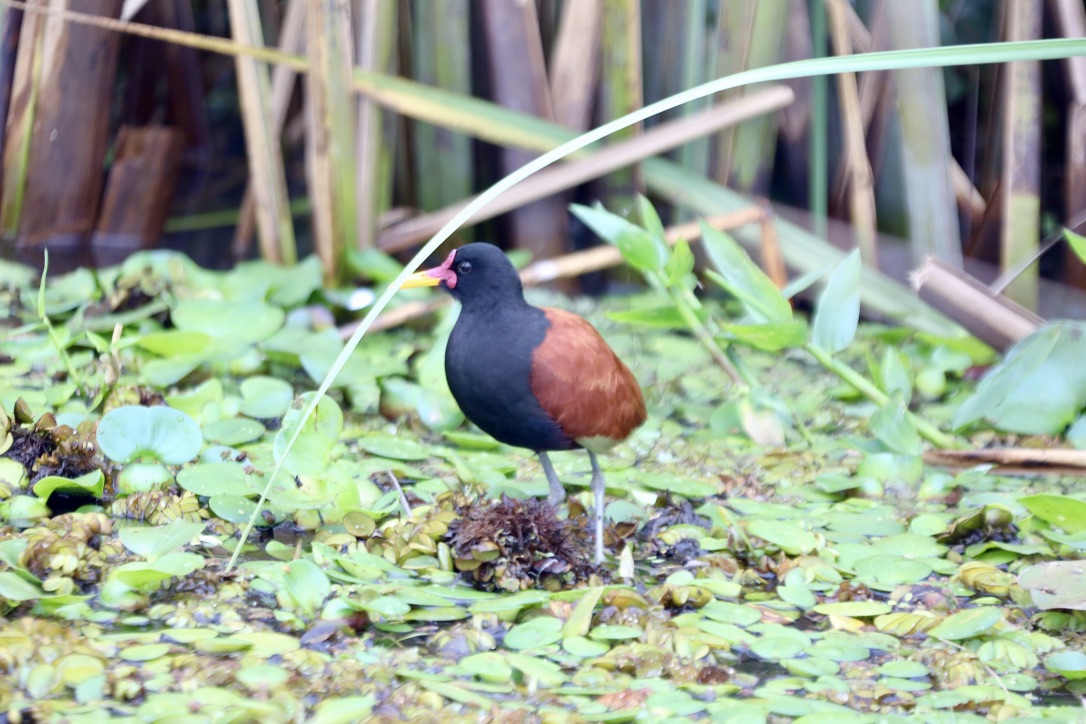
(515, 544)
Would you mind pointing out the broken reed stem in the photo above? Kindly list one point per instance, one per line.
(574, 264)
(992, 318)
(1031, 460)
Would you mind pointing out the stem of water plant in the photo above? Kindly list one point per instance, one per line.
(693, 321)
(865, 387)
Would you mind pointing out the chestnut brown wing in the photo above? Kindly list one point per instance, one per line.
(582, 384)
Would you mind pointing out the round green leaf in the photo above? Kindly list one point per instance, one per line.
(774, 648)
(394, 448)
(265, 398)
(1068, 664)
(209, 479)
(241, 322)
(969, 623)
(233, 431)
(171, 437)
(539, 632)
(145, 652)
(143, 477)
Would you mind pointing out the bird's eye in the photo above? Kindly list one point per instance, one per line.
(464, 267)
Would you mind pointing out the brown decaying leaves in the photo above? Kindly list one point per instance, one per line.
(582, 383)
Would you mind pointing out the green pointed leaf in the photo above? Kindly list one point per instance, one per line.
(1038, 388)
(639, 247)
(308, 585)
(892, 426)
(1078, 244)
(742, 278)
(681, 264)
(838, 312)
(895, 377)
(15, 588)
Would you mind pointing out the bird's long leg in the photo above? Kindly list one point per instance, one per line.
(558, 493)
(598, 488)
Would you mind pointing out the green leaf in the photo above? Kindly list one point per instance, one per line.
(238, 509)
(893, 428)
(1056, 584)
(1068, 664)
(681, 264)
(145, 576)
(1067, 514)
(639, 247)
(536, 633)
(1078, 244)
(770, 337)
(895, 377)
(233, 431)
(157, 541)
(393, 448)
(743, 279)
(307, 585)
(838, 312)
(1038, 388)
(789, 537)
(126, 434)
(968, 623)
(237, 323)
(854, 609)
(650, 220)
(313, 448)
(666, 317)
(209, 479)
(265, 398)
(93, 483)
(15, 588)
(580, 621)
(174, 343)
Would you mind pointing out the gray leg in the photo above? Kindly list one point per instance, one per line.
(558, 493)
(598, 490)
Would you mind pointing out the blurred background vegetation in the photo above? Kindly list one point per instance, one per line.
(129, 124)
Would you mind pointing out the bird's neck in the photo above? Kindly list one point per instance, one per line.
(495, 309)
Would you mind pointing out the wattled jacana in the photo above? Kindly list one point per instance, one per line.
(532, 377)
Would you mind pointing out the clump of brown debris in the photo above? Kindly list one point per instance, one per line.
(513, 545)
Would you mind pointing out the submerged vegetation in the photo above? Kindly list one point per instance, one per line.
(781, 545)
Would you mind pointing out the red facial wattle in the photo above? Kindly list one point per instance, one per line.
(445, 272)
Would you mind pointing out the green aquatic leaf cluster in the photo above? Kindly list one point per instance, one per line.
(781, 553)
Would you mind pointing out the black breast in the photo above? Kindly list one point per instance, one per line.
(488, 363)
